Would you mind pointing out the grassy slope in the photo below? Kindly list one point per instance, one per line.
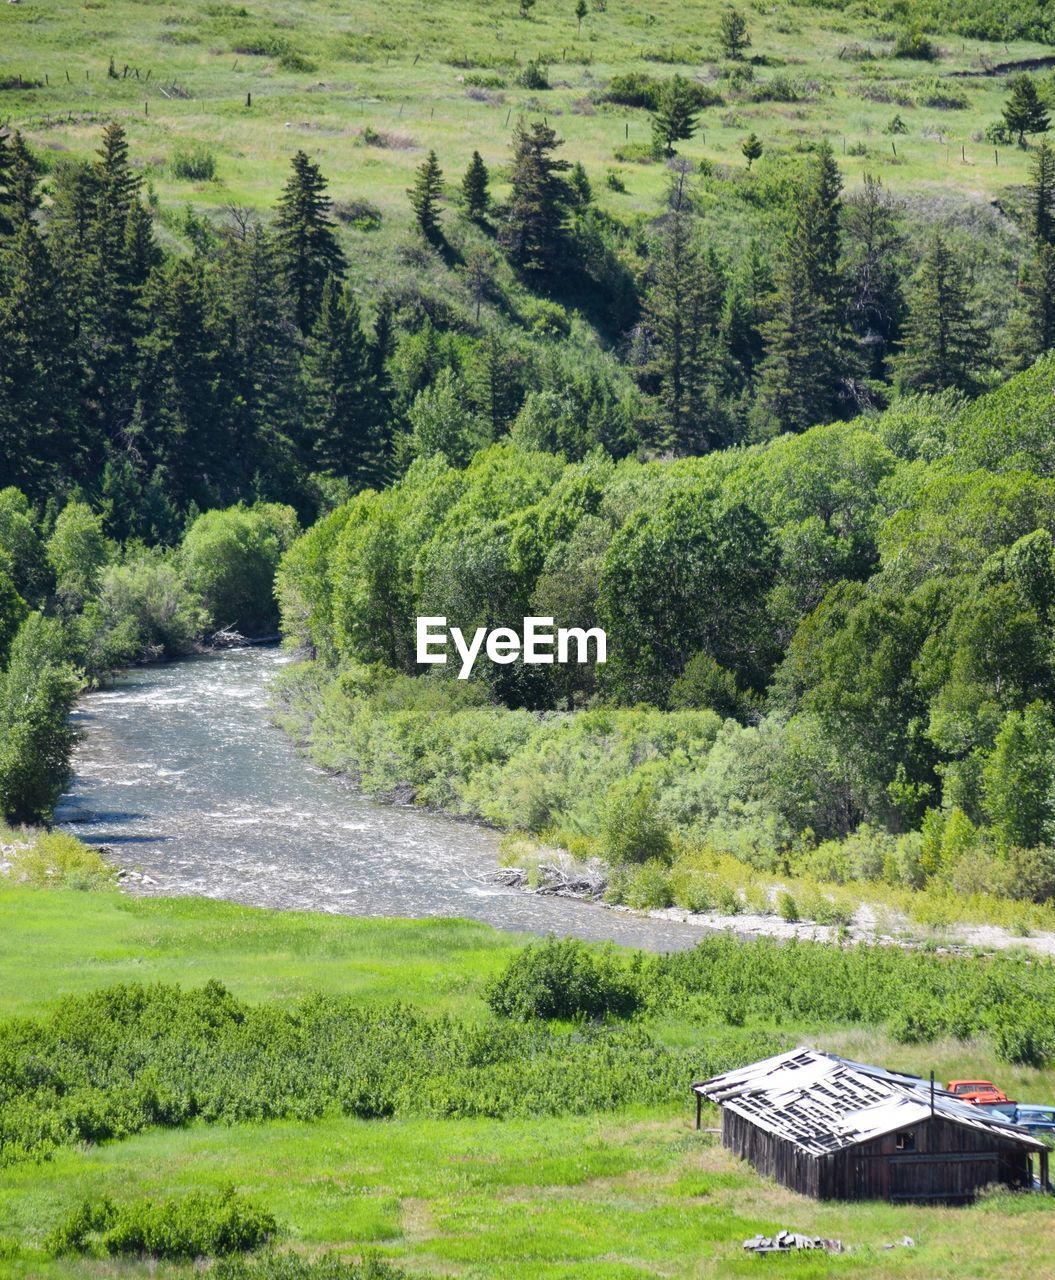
(625, 1195)
(393, 68)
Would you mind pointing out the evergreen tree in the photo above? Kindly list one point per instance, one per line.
(118, 254)
(744, 312)
(579, 187)
(182, 410)
(1040, 195)
(340, 400)
(1031, 325)
(19, 197)
(580, 12)
(734, 38)
(807, 364)
(533, 233)
(752, 148)
(425, 196)
(494, 378)
(874, 249)
(675, 117)
(475, 194)
(263, 343)
(1024, 111)
(684, 312)
(39, 376)
(944, 341)
(307, 241)
(7, 199)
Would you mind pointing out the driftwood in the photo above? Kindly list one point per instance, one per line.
(580, 882)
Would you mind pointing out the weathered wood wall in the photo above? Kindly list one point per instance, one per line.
(950, 1163)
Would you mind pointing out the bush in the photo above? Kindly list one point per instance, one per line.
(1023, 1034)
(56, 859)
(631, 827)
(638, 89)
(561, 979)
(786, 907)
(534, 76)
(193, 164)
(914, 44)
(195, 1226)
(648, 887)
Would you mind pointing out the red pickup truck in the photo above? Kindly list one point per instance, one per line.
(978, 1092)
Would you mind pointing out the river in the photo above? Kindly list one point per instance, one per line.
(182, 776)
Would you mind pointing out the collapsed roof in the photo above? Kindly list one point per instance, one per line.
(823, 1103)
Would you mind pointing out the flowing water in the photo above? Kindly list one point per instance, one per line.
(183, 777)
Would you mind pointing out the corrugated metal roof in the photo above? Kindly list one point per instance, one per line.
(823, 1103)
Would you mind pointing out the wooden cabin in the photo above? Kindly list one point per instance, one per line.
(841, 1130)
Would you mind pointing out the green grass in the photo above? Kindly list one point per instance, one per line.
(611, 1196)
(64, 942)
(619, 1195)
(400, 70)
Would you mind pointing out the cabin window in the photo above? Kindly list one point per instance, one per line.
(905, 1141)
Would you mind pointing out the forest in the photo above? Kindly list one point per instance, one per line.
(830, 644)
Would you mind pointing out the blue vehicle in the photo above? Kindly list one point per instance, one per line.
(1036, 1119)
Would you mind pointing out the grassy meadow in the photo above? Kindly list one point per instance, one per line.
(628, 1193)
(367, 89)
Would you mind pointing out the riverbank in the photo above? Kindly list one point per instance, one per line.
(871, 922)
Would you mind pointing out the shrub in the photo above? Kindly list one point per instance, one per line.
(912, 43)
(918, 1021)
(534, 76)
(561, 979)
(193, 1226)
(1023, 1034)
(648, 887)
(786, 907)
(193, 164)
(56, 859)
(631, 827)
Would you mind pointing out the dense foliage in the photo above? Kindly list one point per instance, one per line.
(846, 630)
(115, 1062)
(194, 1226)
(561, 979)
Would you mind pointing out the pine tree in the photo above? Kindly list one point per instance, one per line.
(1040, 195)
(745, 310)
(1031, 325)
(874, 248)
(675, 117)
(807, 364)
(734, 38)
(307, 241)
(684, 312)
(182, 407)
(944, 341)
(339, 393)
(475, 194)
(533, 233)
(494, 380)
(110, 267)
(267, 413)
(425, 196)
(752, 148)
(7, 200)
(1024, 111)
(19, 197)
(39, 378)
(581, 11)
